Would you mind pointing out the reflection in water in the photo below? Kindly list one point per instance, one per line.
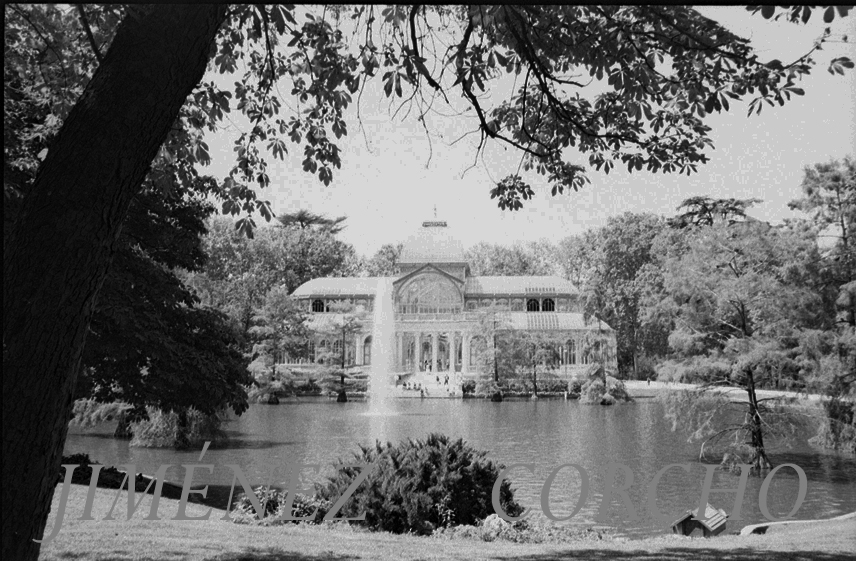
(548, 433)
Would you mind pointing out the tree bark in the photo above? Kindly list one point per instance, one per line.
(760, 462)
(123, 428)
(62, 244)
(535, 380)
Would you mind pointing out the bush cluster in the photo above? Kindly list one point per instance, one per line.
(493, 528)
(420, 485)
(90, 413)
(485, 388)
(696, 370)
(838, 427)
(552, 386)
(520, 387)
(111, 478)
(593, 391)
(164, 429)
(273, 502)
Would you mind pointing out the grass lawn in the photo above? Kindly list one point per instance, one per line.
(224, 541)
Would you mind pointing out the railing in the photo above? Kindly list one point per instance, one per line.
(460, 316)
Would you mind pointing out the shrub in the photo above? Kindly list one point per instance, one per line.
(493, 528)
(468, 387)
(646, 367)
(163, 429)
(552, 386)
(516, 387)
(262, 392)
(485, 388)
(593, 391)
(838, 426)
(273, 502)
(111, 478)
(695, 370)
(89, 413)
(309, 387)
(418, 486)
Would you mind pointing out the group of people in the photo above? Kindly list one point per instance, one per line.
(413, 386)
(428, 366)
(445, 382)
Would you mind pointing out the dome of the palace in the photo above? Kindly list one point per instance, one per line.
(434, 242)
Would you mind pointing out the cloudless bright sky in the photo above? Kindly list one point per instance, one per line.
(388, 184)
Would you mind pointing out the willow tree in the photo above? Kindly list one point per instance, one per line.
(740, 295)
(664, 69)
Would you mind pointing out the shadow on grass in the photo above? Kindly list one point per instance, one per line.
(271, 554)
(674, 553)
(252, 554)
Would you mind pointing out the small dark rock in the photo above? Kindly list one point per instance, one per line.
(273, 399)
(496, 397)
(342, 397)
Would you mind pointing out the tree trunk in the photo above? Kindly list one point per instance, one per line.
(62, 243)
(182, 441)
(535, 380)
(493, 337)
(760, 462)
(123, 427)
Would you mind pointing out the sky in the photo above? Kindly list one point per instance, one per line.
(392, 177)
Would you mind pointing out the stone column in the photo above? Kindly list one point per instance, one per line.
(450, 346)
(465, 353)
(417, 351)
(399, 356)
(360, 342)
(435, 350)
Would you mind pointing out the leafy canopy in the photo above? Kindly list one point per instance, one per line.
(594, 87)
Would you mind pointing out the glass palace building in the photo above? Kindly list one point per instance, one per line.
(439, 312)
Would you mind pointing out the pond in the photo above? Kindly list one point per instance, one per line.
(546, 432)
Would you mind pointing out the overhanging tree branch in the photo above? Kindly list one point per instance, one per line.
(84, 21)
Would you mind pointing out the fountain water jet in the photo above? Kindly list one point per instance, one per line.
(383, 351)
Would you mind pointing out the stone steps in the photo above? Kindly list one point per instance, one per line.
(432, 389)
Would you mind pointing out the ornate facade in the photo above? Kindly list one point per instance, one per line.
(439, 312)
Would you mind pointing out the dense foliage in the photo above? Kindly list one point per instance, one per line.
(668, 67)
(150, 342)
(241, 273)
(420, 485)
(274, 503)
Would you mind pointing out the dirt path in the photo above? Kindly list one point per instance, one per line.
(641, 388)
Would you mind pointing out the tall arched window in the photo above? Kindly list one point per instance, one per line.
(337, 351)
(532, 305)
(321, 350)
(477, 346)
(572, 351)
(548, 306)
(317, 305)
(367, 350)
(430, 293)
(351, 352)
